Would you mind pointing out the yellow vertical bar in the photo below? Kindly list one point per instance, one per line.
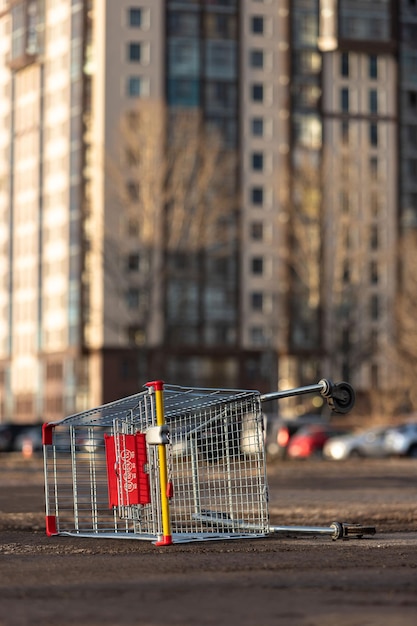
(158, 387)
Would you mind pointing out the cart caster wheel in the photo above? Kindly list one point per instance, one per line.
(351, 531)
(342, 399)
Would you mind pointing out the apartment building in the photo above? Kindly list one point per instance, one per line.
(68, 72)
(316, 101)
(360, 127)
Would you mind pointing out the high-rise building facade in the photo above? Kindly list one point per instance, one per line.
(317, 100)
(360, 129)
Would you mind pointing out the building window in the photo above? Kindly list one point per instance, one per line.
(134, 51)
(346, 272)
(344, 201)
(257, 194)
(373, 134)
(134, 85)
(373, 66)
(258, 161)
(131, 157)
(135, 17)
(256, 58)
(412, 99)
(373, 101)
(257, 335)
(373, 272)
(307, 30)
(133, 191)
(132, 227)
(183, 92)
(132, 298)
(128, 369)
(216, 25)
(307, 96)
(374, 307)
(133, 262)
(373, 168)
(54, 371)
(307, 62)
(135, 335)
(412, 200)
(344, 99)
(344, 131)
(257, 301)
(257, 265)
(257, 24)
(374, 238)
(374, 202)
(257, 126)
(27, 28)
(412, 134)
(344, 64)
(412, 168)
(257, 92)
(308, 131)
(257, 231)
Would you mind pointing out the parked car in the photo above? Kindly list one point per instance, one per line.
(6, 438)
(29, 440)
(10, 435)
(309, 440)
(280, 431)
(367, 443)
(402, 440)
(252, 437)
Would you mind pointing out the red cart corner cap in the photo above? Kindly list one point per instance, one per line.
(158, 385)
(51, 526)
(47, 430)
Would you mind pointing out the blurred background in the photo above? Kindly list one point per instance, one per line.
(213, 193)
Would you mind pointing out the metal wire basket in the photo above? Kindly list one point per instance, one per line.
(168, 464)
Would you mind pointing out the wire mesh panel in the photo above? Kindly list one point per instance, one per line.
(190, 469)
(80, 493)
(217, 462)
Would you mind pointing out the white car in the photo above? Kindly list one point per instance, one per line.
(402, 440)
(252, 437)
(368, 443)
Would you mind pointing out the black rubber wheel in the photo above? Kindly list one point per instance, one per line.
(342, 399)
(358, 531)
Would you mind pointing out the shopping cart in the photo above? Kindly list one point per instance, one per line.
(171, 464)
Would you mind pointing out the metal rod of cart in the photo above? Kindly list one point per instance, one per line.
(171, 464)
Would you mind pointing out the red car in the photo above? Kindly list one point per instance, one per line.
(309, 440)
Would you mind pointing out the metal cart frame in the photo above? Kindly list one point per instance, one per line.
(171, 464)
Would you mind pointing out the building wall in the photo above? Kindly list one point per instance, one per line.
(264, 148)
(67, 339)
(360, 130)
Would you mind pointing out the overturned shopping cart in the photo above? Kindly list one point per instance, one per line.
(171, 464)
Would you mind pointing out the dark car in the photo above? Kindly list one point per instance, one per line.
(29, 440)
(6, 438)
(11, 434)
(309, 440)
(280, 431)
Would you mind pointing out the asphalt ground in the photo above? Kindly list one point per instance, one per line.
(302, 580)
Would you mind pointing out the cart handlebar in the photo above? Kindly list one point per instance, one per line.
(340, 396)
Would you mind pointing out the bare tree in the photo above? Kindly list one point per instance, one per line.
(401, 345)
(174, 189)
(335, 272)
